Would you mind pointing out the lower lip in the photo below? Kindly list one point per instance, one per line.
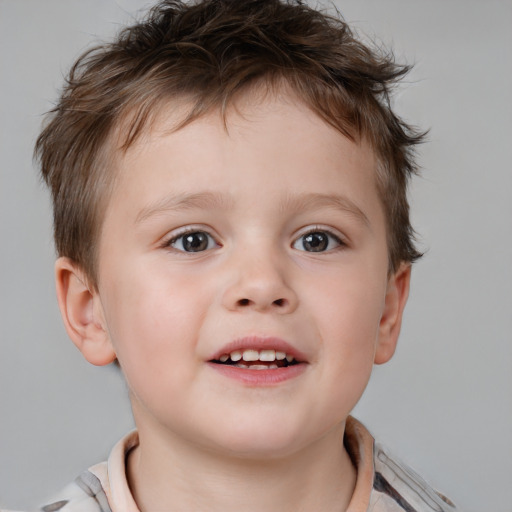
(259, 377)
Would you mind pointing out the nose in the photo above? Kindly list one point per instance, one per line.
(259, 283)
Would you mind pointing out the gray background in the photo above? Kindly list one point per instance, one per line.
(444, 403)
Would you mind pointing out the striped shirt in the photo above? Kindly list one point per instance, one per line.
(383, 484)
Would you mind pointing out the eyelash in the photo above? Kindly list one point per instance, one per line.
(170, 243)
(340, 243)
(211, 242)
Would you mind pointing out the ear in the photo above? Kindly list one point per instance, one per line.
(82, 313)
(391, 321)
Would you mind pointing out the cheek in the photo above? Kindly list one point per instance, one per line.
(351, 308)
(152, 324)
(349, 317)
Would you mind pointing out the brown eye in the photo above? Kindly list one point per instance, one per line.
(317, 241)
(195, 241)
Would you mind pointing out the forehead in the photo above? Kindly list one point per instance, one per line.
(273, 135)
(167, 115)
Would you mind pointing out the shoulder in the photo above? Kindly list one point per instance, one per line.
(397, 487)
(102, 488)
(85, 494)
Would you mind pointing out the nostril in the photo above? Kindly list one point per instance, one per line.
(279, 303)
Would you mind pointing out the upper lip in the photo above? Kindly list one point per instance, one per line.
(260, 343)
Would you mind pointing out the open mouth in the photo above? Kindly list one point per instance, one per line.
(267, 359)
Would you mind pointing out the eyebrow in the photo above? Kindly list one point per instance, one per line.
(179, 202)
(312, 201)
(212, 201)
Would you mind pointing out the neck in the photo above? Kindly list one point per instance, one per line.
(170, 474)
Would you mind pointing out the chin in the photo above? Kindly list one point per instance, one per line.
(259, 440)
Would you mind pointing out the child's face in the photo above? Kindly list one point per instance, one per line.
(270, 235)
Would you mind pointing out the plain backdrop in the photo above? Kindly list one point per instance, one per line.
(444, 404)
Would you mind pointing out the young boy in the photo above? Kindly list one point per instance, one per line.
(230, 213)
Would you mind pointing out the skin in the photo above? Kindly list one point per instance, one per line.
(208, 441)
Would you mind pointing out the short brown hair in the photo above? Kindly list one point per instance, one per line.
(206, 52)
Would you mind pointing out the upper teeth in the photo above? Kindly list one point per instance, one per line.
(266, 355)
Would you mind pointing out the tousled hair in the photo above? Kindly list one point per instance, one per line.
(207, 53)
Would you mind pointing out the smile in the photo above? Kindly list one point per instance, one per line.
(267, 359)
(259, 361)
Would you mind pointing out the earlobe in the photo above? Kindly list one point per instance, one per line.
(82, 313)
(391, 320)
